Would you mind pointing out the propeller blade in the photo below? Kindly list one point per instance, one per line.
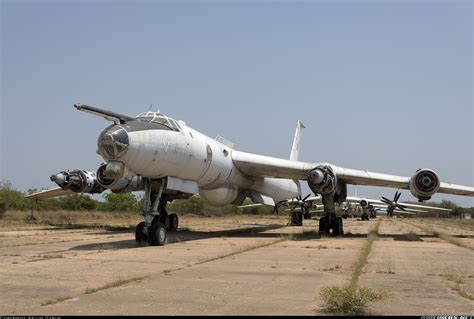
(397, 196)
(401, 207)
(306, 197)
(275, 210)
(386, 199)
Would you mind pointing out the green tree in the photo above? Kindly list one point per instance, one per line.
(121, 202)
(193, 204)
(77, 202)
(11, 198)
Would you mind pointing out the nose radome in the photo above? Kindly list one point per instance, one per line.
(113, 142)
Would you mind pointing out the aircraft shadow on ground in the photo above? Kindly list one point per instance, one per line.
(184, 235)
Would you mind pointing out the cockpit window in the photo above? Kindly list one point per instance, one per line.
(158, 118)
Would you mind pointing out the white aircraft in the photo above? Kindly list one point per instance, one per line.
(369, 207)
(170, 160)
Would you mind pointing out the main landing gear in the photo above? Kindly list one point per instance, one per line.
(157, 220)
(330, 221)
(297, 216)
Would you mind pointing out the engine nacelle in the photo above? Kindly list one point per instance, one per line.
(127, 182)
(78, 181)
(322, 180)
(219, 196)
(424, 183)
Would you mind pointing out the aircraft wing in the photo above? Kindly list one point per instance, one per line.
(250, 205)
(399, 211)
(266, 166)
(48, 193)
(409, 206)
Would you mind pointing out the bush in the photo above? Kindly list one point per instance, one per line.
(77, 202)
(191, 205)
(3, 209)
(121, 202)
(350, 299)
(12, 198)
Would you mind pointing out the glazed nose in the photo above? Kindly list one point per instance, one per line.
(113, 142)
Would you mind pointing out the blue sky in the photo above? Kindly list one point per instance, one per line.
(385, 86)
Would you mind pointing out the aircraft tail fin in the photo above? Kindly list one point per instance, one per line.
(295, 149)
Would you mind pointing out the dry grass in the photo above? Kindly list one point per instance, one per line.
(362, 260)
(457, 276)
(351, 299)
(70, 218)
(411, 236)
(55, 301)
(466, 224)
(114, 284)
(442, 235)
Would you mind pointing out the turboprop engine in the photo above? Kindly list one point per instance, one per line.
(112, 175)
(116, 177)
(219, 196)
(78, 181)
(424, 183)
(322, 180)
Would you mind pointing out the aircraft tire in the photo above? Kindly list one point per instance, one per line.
(158, 234)
(174, 221)
(322, 224)
(165, 220)
(140, 237)
(340, 224)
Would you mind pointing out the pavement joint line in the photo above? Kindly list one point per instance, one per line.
(240, 251)
(245, 249)
(363, 257)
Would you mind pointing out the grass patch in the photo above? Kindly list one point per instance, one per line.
(288, 236)
(337, 267)
(52, 256)
(55, 301)
(457, 277)
(411, 236)
(350, 300)
(444, 236)
(362, 260)
(114, 284)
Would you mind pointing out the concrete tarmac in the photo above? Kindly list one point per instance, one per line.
(233, 266)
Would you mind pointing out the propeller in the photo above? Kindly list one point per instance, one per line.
(392, 204)
(275, 208)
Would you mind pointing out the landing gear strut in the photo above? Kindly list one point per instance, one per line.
(157, 221)
(330, 221)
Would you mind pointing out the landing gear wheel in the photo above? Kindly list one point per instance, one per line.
(338, 230)
(157, 234)
(299, 218)
(174, 221)
(140, 236)
(165, 220)
(296, 219)
(322, 224)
